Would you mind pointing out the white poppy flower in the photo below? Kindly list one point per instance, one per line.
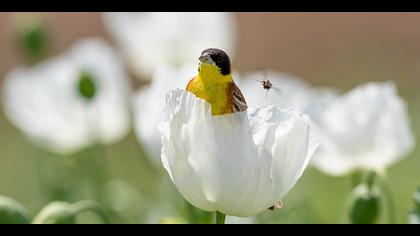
(149, 101)
(366, 128)
(238, 164)
(72, 101)
(149, 40)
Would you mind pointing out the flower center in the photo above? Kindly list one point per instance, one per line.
(87, 86)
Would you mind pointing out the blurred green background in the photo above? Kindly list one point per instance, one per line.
(339, 50)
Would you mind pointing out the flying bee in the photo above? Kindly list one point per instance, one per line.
(267, 85)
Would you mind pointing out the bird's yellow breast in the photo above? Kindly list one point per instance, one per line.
(213, 87)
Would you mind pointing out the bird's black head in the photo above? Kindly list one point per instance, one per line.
(217, 57)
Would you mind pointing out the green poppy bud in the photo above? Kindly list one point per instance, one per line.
(66, 213)
(416, 198)
(12, 212)
(365, 205)
(31, 33)
(56, 213)
(414, 216)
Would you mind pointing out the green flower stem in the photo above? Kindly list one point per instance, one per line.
(42, 180)
(97, 169)
(44, 169)
(220, 218)
(389, 200)
(93, 207)
(197, 216)
(356, 178)
(191, 213)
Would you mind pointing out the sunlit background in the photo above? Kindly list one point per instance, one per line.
(339, 50)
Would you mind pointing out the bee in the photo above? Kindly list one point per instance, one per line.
(267, 85)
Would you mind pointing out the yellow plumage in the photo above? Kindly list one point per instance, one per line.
(213, 87)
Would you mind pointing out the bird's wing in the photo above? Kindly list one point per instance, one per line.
(239, 103)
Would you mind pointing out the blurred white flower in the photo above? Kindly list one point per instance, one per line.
(238, 164)
(148, 104)
(149, 40)
(365, 129)
(71, 101)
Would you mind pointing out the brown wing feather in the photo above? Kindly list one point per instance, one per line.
(239, 103)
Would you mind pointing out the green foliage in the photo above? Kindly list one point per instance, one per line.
(416, 198)
(12, 212)
(414, 216)
(56, 213)
(66, 213)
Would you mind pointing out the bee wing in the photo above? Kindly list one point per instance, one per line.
(277, 89)
(239, 103)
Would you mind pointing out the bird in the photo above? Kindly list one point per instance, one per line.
(214, 83)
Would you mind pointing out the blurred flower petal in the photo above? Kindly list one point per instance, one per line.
(366, 128)
(149, 40)
(148, 104)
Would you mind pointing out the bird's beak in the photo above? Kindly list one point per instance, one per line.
(206, 59)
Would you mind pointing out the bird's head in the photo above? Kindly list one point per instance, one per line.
(215, 57)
